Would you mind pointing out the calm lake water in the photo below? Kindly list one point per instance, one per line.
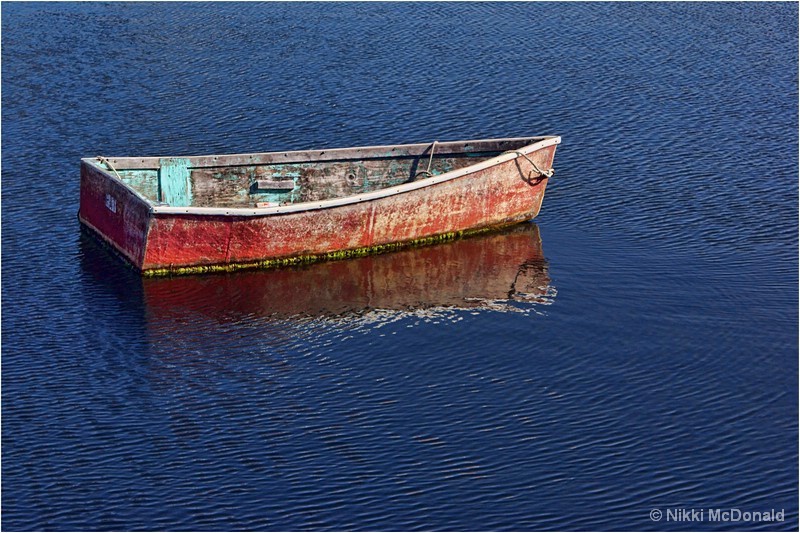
(634, 349)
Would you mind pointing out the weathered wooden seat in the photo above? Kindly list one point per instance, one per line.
(274, 185)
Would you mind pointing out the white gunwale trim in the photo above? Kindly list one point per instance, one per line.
(337, 202)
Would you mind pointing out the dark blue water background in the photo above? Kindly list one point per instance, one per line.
(651, 362)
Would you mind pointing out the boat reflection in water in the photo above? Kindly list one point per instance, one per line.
(491, 271)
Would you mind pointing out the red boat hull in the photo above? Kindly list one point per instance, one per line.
(155, 242)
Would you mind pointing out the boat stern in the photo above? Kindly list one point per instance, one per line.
(114, 212)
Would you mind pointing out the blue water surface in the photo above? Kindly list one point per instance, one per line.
(635, 349)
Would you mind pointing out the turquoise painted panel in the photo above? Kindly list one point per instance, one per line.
(174, 185)
(144, 181)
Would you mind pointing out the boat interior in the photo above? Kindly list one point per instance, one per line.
(284, 178)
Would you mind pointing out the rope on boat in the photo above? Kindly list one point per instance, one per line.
(107, 162)
(430, 162)
(545, 173)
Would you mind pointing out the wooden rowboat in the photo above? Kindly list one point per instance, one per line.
(226, 212)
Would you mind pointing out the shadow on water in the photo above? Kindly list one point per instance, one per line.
(203, 330)
(491, 271)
